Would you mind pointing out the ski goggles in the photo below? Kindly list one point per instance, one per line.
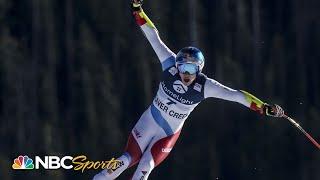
(188, 68)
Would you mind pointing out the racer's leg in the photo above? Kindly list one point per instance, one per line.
(139, 138)
(156, 152)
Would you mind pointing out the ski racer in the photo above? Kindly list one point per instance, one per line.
(182, 87)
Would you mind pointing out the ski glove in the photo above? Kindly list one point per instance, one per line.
(136, 5)
(273, 110)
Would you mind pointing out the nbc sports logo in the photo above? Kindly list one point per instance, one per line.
(23, 162)
(78, 163)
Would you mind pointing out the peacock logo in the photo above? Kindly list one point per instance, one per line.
(22, 162)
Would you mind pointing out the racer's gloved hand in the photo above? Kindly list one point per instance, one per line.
(136, 5)
(273, 110)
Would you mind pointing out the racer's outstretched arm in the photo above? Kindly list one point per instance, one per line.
(215, 89)
(165, 55)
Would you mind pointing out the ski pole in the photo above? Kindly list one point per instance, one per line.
(302, 130)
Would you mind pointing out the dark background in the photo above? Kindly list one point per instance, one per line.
(76, 75)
